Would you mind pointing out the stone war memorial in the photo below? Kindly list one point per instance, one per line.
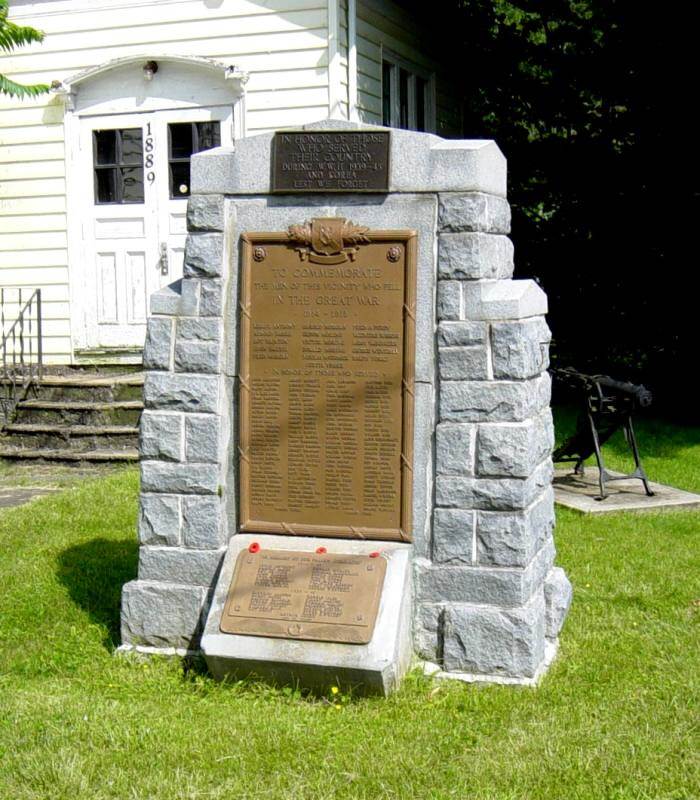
(346, 448)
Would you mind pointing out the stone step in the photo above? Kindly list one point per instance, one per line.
(73, 430)
(89, 387)
(71, 437)
(81, 412)
(130, 454)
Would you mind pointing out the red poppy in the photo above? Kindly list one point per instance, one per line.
(253, 547)
(321, 550)
(374, 554)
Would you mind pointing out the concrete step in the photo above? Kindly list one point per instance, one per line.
(130, 454)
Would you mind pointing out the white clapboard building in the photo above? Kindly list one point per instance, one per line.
(94, 177)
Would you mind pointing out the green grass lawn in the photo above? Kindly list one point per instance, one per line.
(614, 718)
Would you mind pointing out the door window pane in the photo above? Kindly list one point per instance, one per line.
(208, 135)
(106, 186)
(105, 147)
(180, 179)
(180, 135)
(122, 180)
(132, 184)
(132, 146)
(185, 139)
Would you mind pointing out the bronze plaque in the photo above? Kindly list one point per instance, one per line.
(331, 161)
(326, 381)
(292, 595)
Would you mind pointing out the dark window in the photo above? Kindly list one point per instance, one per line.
(118, 165)
(387, 70)
(403, 99)
(421, 100)
(406, 96)
(184, 140)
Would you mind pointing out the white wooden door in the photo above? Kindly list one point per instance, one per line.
(135, 172)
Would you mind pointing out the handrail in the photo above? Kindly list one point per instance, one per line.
(21, 352)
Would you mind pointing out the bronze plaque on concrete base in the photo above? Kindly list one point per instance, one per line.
(330, 161)
(294, 595)
(326, 381)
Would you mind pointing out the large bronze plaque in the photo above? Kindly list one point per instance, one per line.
(331, 161)
(292, 595)
(326, 381)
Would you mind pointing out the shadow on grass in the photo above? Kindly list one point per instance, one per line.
(657, 438)
(94, 573)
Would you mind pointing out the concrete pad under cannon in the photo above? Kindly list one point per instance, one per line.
(374, 668)
(580, 492)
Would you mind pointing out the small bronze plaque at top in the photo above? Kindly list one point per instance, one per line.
(331, 161)
(302, 595)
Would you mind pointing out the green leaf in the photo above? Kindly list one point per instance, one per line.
(9, 87)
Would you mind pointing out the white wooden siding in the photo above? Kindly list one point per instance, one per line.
(282, 44)
(382, 23)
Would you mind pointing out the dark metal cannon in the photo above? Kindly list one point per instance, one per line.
(606, 407)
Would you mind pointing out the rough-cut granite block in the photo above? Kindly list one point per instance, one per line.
(557, 596)
(182, 392)
(211, 303)
(202, 438)
(204, 253)
(492, 494)
(474, 256)
(157, 349)
(161, 436)
(426, 631)
(463, 363)
(489, 641)
(461, 334)
(454, 448)
(513, 449)
(455, 583)
(201, 523)
(473, 211)
(159, 519)
(203, 329)
(195, 356)
(160, 476)
(510, 539)
(179, 565)
(493, 401)
(520, 349)
(449, 300)
(453, 535)
(205, 212)
(161, 614)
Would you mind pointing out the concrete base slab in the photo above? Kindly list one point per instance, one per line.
(579, 492)
(374, 668)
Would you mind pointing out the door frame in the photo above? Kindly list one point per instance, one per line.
(225, 85)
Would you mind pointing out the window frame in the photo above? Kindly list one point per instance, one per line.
(396, 63)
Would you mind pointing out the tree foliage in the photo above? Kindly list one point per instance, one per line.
(579, 96)
(11, 37)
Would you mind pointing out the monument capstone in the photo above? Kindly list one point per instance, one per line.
(346, 443)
